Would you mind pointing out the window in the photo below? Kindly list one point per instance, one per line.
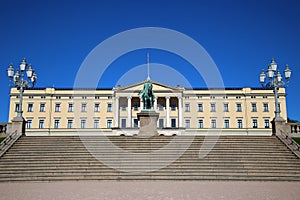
(200, 107)
(266, 107)
(83, 97)
(253, 105)
(187, 123)
(123, 106)
(240, 123)
(200, 123)
(42, 107)
(96, 123)
(267, 123)
(135, 123)
(97, 97)
(83, 107)
(212, 107)
(58, 97)
(135, 106)
(173, 123)
(254, 123)
(226, 123)
(109, 123)
(238, 107)
(97, 107)
(17, 107)
(173, 106)
(56, 123)
(109, 107)
(70, 123)
(41, 123)
(161, 123)
(83, 123)
(30, 107)
(29, 123)
(160, 106)
(57, 107)
(213, 123)
(187, 107)
(71, 107)
(226, 107)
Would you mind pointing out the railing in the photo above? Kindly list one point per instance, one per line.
(290, 143)
(8, 142)
(295, 127)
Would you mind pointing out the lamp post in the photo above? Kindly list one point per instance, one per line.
(275, 82)
(20, 81)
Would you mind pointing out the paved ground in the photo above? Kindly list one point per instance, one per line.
(207, 190)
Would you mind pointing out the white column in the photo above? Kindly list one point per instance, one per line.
(129, 112)
(117, 112)
(179, 112)
(155, 104)
(168, 111)
(141, 103)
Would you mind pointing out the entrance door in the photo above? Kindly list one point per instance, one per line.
(123, 123)
(173, 123)
(135, 123)
(161, 123)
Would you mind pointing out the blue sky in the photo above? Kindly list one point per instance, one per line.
(241, 36)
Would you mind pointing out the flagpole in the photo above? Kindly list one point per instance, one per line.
(148, 67)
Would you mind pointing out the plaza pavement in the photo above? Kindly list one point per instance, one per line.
(150, 190)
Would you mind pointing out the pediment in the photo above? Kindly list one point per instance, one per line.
(157, 87)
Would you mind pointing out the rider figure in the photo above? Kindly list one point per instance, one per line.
(147, 95)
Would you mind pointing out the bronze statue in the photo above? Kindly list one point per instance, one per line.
(147, 95)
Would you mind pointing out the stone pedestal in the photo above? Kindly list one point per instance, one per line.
(279, 126)
(148, 123)
(17, 124)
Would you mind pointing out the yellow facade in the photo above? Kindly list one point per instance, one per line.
(51, 109)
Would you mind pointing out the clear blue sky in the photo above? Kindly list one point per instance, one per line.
(241, 36)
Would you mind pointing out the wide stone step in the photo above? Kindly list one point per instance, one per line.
(151, 176)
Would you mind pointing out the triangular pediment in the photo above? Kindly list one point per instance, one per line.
(157, 87)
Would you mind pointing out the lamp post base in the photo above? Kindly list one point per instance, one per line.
(279, 126)
(18, 124)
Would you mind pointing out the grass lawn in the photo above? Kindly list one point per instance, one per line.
(297, 139)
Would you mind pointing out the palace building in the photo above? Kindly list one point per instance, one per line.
(113, 111)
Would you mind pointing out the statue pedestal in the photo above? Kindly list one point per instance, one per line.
(148, 123)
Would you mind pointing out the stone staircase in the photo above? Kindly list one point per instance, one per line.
(262, 158)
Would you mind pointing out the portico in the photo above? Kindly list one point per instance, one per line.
(167, 102)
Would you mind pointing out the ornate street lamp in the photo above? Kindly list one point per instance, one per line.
(275, 82)
(20, 81)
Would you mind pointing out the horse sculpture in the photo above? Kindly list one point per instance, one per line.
(147, 95)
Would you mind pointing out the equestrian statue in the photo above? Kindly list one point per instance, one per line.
(147, 95)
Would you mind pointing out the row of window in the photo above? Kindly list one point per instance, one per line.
(160, 107)
(70, 97)
(226, 107)
(213, 123)
(70, 107)
(239, 123)
(70, 123)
